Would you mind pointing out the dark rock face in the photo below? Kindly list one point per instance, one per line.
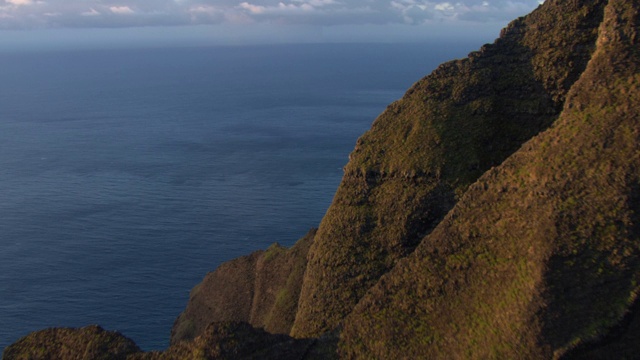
(261, 289)
(87, 343)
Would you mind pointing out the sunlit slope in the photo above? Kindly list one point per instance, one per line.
(424, 151)
(542, 254)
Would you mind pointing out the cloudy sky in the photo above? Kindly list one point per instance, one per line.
(49, 23)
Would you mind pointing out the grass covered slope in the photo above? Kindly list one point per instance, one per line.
(233, 341)
(493, 212)
(261, 289)
(228, 340)
(542, 254)
(87, 343)
(424, 151)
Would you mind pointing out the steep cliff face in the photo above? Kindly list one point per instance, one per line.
(542, 254)
(407, 172)
(261, 289)
(492, 212)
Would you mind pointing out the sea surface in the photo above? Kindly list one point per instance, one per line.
(127, 175)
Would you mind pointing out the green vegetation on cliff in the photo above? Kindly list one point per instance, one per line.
(492, 212)
(231, 340)
(87, 343)
(424, 151)
(261, 289)
(542, 254)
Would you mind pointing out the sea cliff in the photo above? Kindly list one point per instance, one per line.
(492, 212)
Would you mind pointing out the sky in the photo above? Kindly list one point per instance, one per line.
(42, 24)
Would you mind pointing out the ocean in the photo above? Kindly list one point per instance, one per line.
(127, 175)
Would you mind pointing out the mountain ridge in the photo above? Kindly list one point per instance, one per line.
(492, 212)
(426, 148)
(569, 246)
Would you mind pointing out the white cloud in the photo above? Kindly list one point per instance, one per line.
(322, 13)
(19, 2)
(91, 12)
(445, 6)
(254, 9)
(203, 9)
(121, 10)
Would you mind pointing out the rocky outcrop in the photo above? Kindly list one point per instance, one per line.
(261, 289)
(234, 341)
(87, 343)
(218, 341)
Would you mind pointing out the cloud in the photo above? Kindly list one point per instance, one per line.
(19, 2)
(121, 10)
(90, 12)
(111, 13)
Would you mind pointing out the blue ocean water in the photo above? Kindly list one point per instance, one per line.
(126, 175)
